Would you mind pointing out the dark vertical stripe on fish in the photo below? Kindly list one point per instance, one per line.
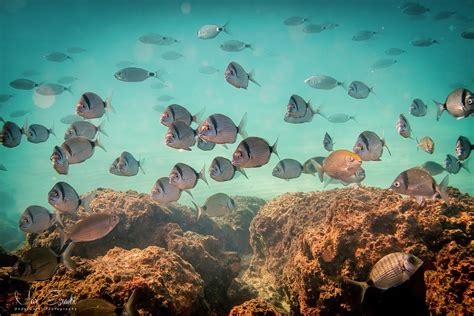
(246, 147)
(213, 122)
(61, 190)
(218, 164)
(405, 180)
(235, 69)
(67, 148)
(160, 184)
(176, 131)
(365, 141)
(86, 99)
(31, 215)
(463, 97)
(292, 98)
(173, 114)
(179, 170)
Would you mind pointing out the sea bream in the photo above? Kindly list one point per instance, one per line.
(36, 133)
(220, 129)
(299, 111)
(418, 108)
(205, 145)
(453, 165)
(236, 75)
(85, 129)
(59, 160)
(328, 143)
(36, 264)
(91, 106)
(24, 84)
(175, 112)
(127, 165)
(433, 168)
(164, 192)
(359, 90)
(403, 127)
(64, 198)
(287, 169)
(340, 164)
(185, 177)
(463, 148)
(427, 144)
(459, 103)
(211, 30)
(323, 82)
(253, 152)
(235, 46)
(369, 146)
(48, 89)
(217, 205)
(180, 136)
(222, 169)
(10, 136)
(135, 74)
(308, 166)
(78, 149)
(36, 219)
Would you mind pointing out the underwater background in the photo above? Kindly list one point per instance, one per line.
(282, 58)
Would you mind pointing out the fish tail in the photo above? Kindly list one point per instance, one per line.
(60, 230)
(70, 58)
(274, 149)
(225, 28)
(69, 89)
(202, 175)
(197, 118)
(141, 162)
(130, 307)
(51, 130)
(189, 193)
(250, 46)
(198, 210)
(342, 84)
(157, 75)
(465, 165)
(85, 202)
(353, 117)
(384, 143)
(363, 285)
(24, 128)
(241, 128)
(251, 76)
(101, 128)
(441, 108)
(99, 144)
(442, 189)
(319, 168)
(108, 103)
(66, 257)
(371, 90)
(242, 171)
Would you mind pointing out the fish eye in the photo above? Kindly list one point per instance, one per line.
(469, 101)
(396, 184)
(411, 260)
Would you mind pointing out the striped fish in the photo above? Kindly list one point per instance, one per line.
(253, 152)
(79, 149)
(180, 136)
(64, 198)
(91, 106)
(287, 169)
(222, 169)
(369, 146)
(176, 112)
(185, 177)
(390, 271)
(300, 111)
(164, 192)
(220, 129)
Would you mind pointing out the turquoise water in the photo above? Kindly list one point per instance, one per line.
(283, 58)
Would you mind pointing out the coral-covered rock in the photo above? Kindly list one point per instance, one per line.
(305, 244)
(253, 308)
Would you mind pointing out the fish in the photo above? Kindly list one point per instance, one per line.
(357, 178)
(253, 152)
(124, 64)
(330, 25)
(36, 264)
(180, 136)
(114, 167)
(383, 63)
(171, 55)
(76, 50)
(459, 103)
(166, 41)
(19, 113)
(185, 177)
(164, 192)
(340, 164)
(67, 79)
(359, 90)
(93, 227)
(24, 84)
(423, 42)
(36, 133)
(418, 108)
(295, 20)
(220, 129)
(91, 106)
(178, 113)
(238, 77)
(314, 28)
(165, 98)
(390, 271)
(59, 160)
(369, 146)
(64, 198)
(415, 9)
(468, 33)
(403, 127)
(308, 166)
(363, 35)
(85, 129)
(135, 74)
(427, 144)
(217, 205)
(36, 219)
(420, 184)
(323, 82)
(328, 142)
(208, 70)
(151, 38)
(128, 166)
(78, 149)
(287, 169)
(57, 57)
(69, 119)
(341, 118)
(10, 136)
(222, 169)
(443, 15)
(2, 167)
(394, 51)
(453, 165)
(433, 168)
(209, 31)
(463, 148)
(300, 111)
(235, 46)
(205, 145)
(5, 97)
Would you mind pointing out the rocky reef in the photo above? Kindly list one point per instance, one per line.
(288, 256)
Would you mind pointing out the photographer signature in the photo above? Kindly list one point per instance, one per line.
(53, 299)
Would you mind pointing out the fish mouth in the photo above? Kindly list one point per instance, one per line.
(356, 148)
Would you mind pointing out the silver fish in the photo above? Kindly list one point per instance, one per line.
(151, 38)
(420, 184)
(84, 129)
(114, 169)
(36, 264)
(328, 142)
(369, 146)
(205, 145)
(323, 82)
(217, 205)
(423, 42)
(52, 89)
(36, 219)
(427, 144)
(166, 41)
(433, 168)
(24, 84)
(418, 108)
(314, 28)
(363, 35)
(459, 103)
(253, 152)
(463, 148)
(287, 169)
(403, 127)
(341, 118)
(79, 149)
(234, 46)
(69, 119)
(295, 20)
(19, 113)
(57, 57)
(453, 165)
(383, 63)
(185, 177)
(211, 30)
(5, 97)
(91, 106)
(308, 166)
(238, 77)
(300, 111)
(340, 164)
(180, 136)
(128, 166)
(394, 51)
(165, 98)
(208, 70)
(330, 25)
(36, 133)
(64, 198)
(220, 129)
(177, 113)
(76, 50)
(415, 9)
(468, 33)
(67, 79)
(171, 55)
(135, 74)
(59, 160)
(390, 271)
(359, 90)
(222, 169)
(164, 192)
(10, 136)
